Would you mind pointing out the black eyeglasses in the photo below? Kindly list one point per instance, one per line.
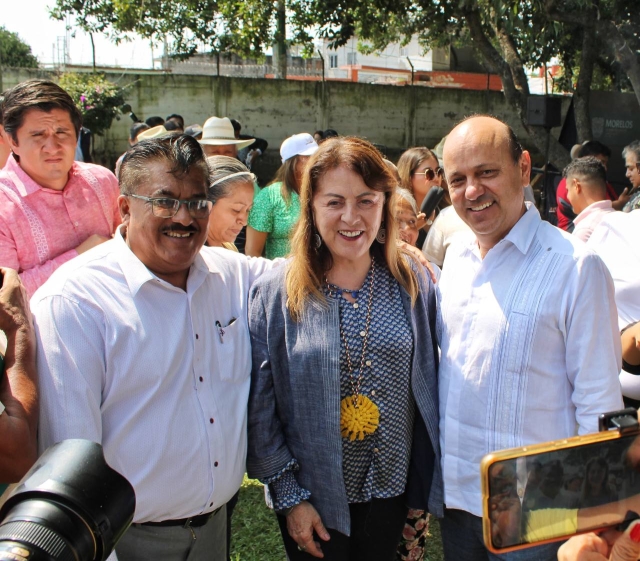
(430, 174)
(164, 207)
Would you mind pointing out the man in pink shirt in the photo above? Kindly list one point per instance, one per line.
(51, 208)
(564, 213)
(587, 192)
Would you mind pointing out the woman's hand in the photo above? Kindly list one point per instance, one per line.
(590, 547)
(302, 521)
(420, 257)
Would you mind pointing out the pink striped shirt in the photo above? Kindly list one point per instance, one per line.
(40, 228)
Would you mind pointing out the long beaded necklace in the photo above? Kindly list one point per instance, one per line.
(359, 415)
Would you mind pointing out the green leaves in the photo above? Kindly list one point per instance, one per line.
(14, 51)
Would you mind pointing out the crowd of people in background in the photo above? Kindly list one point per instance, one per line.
(319, 332)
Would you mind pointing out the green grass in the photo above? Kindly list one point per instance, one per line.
(256, 537)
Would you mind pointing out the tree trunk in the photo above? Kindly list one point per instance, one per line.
(583, 86)
(624, 55)
(93, 51)
(280, 44)
(514, 84)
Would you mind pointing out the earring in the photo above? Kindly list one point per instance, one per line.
(381, 236)
(317, 241)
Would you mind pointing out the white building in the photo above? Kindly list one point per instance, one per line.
(392, 65)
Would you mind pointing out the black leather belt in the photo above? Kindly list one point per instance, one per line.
(192, 522)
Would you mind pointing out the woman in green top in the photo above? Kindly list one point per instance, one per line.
(276, 208)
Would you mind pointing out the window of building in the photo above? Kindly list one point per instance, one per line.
(404, 51)
(333, 61)
(351, 58)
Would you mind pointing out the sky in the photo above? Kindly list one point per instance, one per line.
(30, 20)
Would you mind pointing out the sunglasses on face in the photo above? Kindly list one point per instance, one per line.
(164, 207)
(430, 174)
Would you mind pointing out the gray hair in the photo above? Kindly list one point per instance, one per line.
(225, 174)
(408, 197)
(633, 147)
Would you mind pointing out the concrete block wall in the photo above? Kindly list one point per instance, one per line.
(391, 116)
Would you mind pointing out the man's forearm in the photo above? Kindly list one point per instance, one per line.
(18, 393)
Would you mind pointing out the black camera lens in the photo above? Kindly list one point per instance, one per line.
(70, 506)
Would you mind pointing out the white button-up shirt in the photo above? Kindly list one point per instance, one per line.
(529, 348)
(142, 367)
(617, 241)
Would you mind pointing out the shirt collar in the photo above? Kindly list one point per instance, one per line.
(137, 274)
(23, 182)
(522, 233)
(593, 208)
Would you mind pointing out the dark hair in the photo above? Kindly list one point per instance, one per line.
(154, 121)
(515, 148)
(170, 126)
(594, 148)
(236, 125)
(633, 147)
(588, 169)
(221, 167)
(136, 129)
(43, 95)
(175, 117)
(319, 133)
(329, 133)
(182, 152)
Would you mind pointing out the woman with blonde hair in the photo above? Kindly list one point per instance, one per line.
(343, 414)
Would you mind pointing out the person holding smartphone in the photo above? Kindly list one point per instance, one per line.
(18, 391)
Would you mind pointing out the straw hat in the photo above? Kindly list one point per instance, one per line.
(218, 131)
(153, 132)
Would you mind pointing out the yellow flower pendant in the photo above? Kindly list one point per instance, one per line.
(359, 416)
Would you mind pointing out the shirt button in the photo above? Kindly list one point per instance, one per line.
(197, 336)
(201, 379)
(355, 305)
(211, 420)
(368, 363)
(362, 334)
(373, 392)
(375, 450)
(215, 464)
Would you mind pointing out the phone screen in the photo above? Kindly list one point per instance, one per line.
(556, 494)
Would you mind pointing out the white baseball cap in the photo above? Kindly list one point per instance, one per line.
(301, 144)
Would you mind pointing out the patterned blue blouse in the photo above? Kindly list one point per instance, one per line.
(377, 466)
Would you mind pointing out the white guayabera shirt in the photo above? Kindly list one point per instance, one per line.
(530, 348)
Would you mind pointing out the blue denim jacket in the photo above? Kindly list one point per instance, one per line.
(294, 403)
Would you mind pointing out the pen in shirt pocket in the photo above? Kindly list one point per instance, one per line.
(220, 331)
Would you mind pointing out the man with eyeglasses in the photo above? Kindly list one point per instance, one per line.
(143, 346)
